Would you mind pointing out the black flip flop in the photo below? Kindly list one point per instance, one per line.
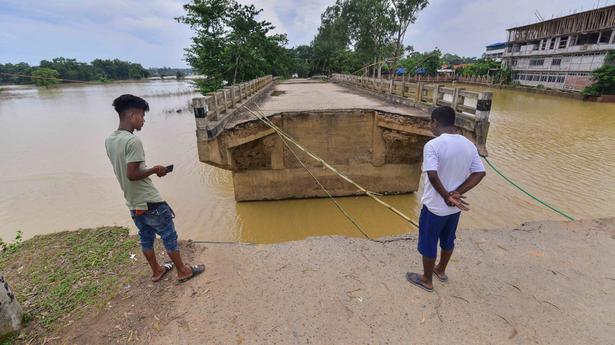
(168, 266)
(443, 278)
(415, 279)
(196, 270)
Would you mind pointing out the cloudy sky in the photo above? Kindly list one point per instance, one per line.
(144, 31)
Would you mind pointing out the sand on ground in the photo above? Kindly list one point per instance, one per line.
(540, 283)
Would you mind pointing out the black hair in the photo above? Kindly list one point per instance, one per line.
(445, 115)
(125, 102)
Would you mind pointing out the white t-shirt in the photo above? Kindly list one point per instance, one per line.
(454, 157)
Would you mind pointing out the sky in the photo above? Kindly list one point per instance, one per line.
(144, 31)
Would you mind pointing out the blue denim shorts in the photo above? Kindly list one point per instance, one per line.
(157, 220)
(433, 228)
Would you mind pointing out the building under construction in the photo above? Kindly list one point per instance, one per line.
(561, 53)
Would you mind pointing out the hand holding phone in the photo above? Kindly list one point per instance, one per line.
(169, 168)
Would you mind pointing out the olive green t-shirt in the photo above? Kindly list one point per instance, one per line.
(124, 147)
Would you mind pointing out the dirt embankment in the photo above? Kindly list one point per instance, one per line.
(541, 283)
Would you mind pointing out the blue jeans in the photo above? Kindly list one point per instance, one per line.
(433, 228)
(158, 219)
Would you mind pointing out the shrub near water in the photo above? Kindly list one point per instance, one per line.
(55, 277)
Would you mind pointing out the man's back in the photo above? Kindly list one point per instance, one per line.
(122, 148)
(454, 157)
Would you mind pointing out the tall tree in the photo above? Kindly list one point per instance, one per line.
(369, 31)
(331, 40)
(371, 24)
(45, 77)
(405, 14)
(230, 44)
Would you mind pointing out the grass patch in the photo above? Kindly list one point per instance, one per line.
(56, 277)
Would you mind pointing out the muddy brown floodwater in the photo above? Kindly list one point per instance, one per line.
(55, 175)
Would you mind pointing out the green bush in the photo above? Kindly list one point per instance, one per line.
(11, 247)
(604, 78)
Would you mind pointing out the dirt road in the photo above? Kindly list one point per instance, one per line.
(542, 283)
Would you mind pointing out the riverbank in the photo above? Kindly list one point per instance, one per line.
(543, 282)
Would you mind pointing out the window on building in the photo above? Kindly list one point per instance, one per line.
(556, 62)
(543, 44)
(560, 79)
(543, 78)
(605, 37)
(513, 62)
(563, 41)
(551, 79)
(591, 38)
(552, 43)
(537, 62)
(535, 45)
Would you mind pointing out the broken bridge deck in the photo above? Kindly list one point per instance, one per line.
(373, 134)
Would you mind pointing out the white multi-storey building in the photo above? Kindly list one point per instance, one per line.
(495, 51)
(561, 53)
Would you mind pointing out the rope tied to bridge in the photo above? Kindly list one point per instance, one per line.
(286, 139)
(552, 208)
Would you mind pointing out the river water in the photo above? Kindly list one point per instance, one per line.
(55, 175)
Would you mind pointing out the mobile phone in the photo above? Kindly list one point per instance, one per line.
(169, 168)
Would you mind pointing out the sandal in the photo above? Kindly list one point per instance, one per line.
(415, 279)
(196, 270)
(168, 266)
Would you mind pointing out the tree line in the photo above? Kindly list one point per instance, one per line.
(55, 71)
(232, 45)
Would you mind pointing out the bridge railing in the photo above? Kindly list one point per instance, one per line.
(473, 108)
(463, 101)
(215, 108)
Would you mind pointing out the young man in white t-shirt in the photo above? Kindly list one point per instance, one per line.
(452, 167)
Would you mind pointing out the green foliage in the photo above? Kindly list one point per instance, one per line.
(504, 75)
(71, 69)
(167, 71)
(301, 64)
(11, 247)
(604, 78)
(118, 70)
(454, 59)
(53, 276)
(404, 12)
(45, 77)
(356, 33)
(231, 44)
(481, 67)
(330, 45)
(15, 73)
(371, 25)
(430, 61)
(604, 81)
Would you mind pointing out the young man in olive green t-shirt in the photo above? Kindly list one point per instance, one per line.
(151, 214)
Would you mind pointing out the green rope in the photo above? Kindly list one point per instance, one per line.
(526, 192)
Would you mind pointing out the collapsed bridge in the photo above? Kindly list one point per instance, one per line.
(372, 130)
